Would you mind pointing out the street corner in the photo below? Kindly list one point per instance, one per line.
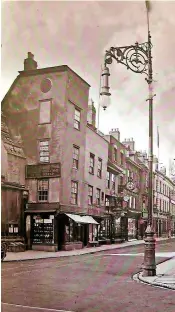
(160, 280)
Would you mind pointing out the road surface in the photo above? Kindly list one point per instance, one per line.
(97, 282)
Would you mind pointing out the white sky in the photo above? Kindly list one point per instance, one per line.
(77, 34)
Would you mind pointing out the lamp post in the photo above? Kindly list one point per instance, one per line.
(137, 58)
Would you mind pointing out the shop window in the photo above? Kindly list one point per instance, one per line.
(77, 119)
(43, 230)
(75, 156)
(43, 190)
(44, 151)
(99, 170)
(71, 231)
(90, 195)
(44, 114)
(98, 196)
(74, 192)
(92, 163)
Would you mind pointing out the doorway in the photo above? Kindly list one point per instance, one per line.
(85, 234)
(61, 231)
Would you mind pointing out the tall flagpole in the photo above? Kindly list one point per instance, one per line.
(158, 146)
(158, 221)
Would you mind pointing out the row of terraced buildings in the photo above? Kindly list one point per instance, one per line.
(64, 183)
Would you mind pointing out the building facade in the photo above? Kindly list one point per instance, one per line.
(113, 221)
(48, 108)
(163, 210)
(96, 158)
(65, 183)
(13, 191)
(137, 172)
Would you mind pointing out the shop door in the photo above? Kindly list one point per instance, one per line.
(124, 228)
(61, 234)
(85, 234)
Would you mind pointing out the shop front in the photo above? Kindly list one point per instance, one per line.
(133, 224)
(110, 229)
(41, 230)
(51, 230)
(75, 231)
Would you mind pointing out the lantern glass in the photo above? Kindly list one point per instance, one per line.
(105, 101)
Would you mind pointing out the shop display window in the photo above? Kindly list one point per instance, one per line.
(71, 232)
(131, 228)
(43, 230)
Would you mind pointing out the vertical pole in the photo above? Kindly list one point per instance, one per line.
(98, 120)
(149, 266)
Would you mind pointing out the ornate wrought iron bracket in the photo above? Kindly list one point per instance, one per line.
(134, 57)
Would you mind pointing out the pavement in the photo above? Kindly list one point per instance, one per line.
(34, 255)
(165, 275)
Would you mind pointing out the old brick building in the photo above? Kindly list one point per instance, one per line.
(95, 179)
(113, 222)
(48, 108)
(137, 171)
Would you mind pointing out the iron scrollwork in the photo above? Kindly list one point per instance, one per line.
(134, 57)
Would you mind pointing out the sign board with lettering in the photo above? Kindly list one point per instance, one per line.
(43, 171)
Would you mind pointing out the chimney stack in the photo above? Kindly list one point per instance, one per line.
(115, 133)
(30, 63)
(129, 143)
(91, 117)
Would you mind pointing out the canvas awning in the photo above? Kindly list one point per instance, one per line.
(81, 219)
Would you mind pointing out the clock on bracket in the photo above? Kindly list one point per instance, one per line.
(130, 186)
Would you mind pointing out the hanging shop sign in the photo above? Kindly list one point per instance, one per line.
(43, 171)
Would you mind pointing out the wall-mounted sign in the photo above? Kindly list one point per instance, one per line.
(43, 171)
(47, 221)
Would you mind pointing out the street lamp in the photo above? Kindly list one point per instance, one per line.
(138, 59)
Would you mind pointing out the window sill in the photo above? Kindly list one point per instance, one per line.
(42, 201)
(43, 162)
(44, 123)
